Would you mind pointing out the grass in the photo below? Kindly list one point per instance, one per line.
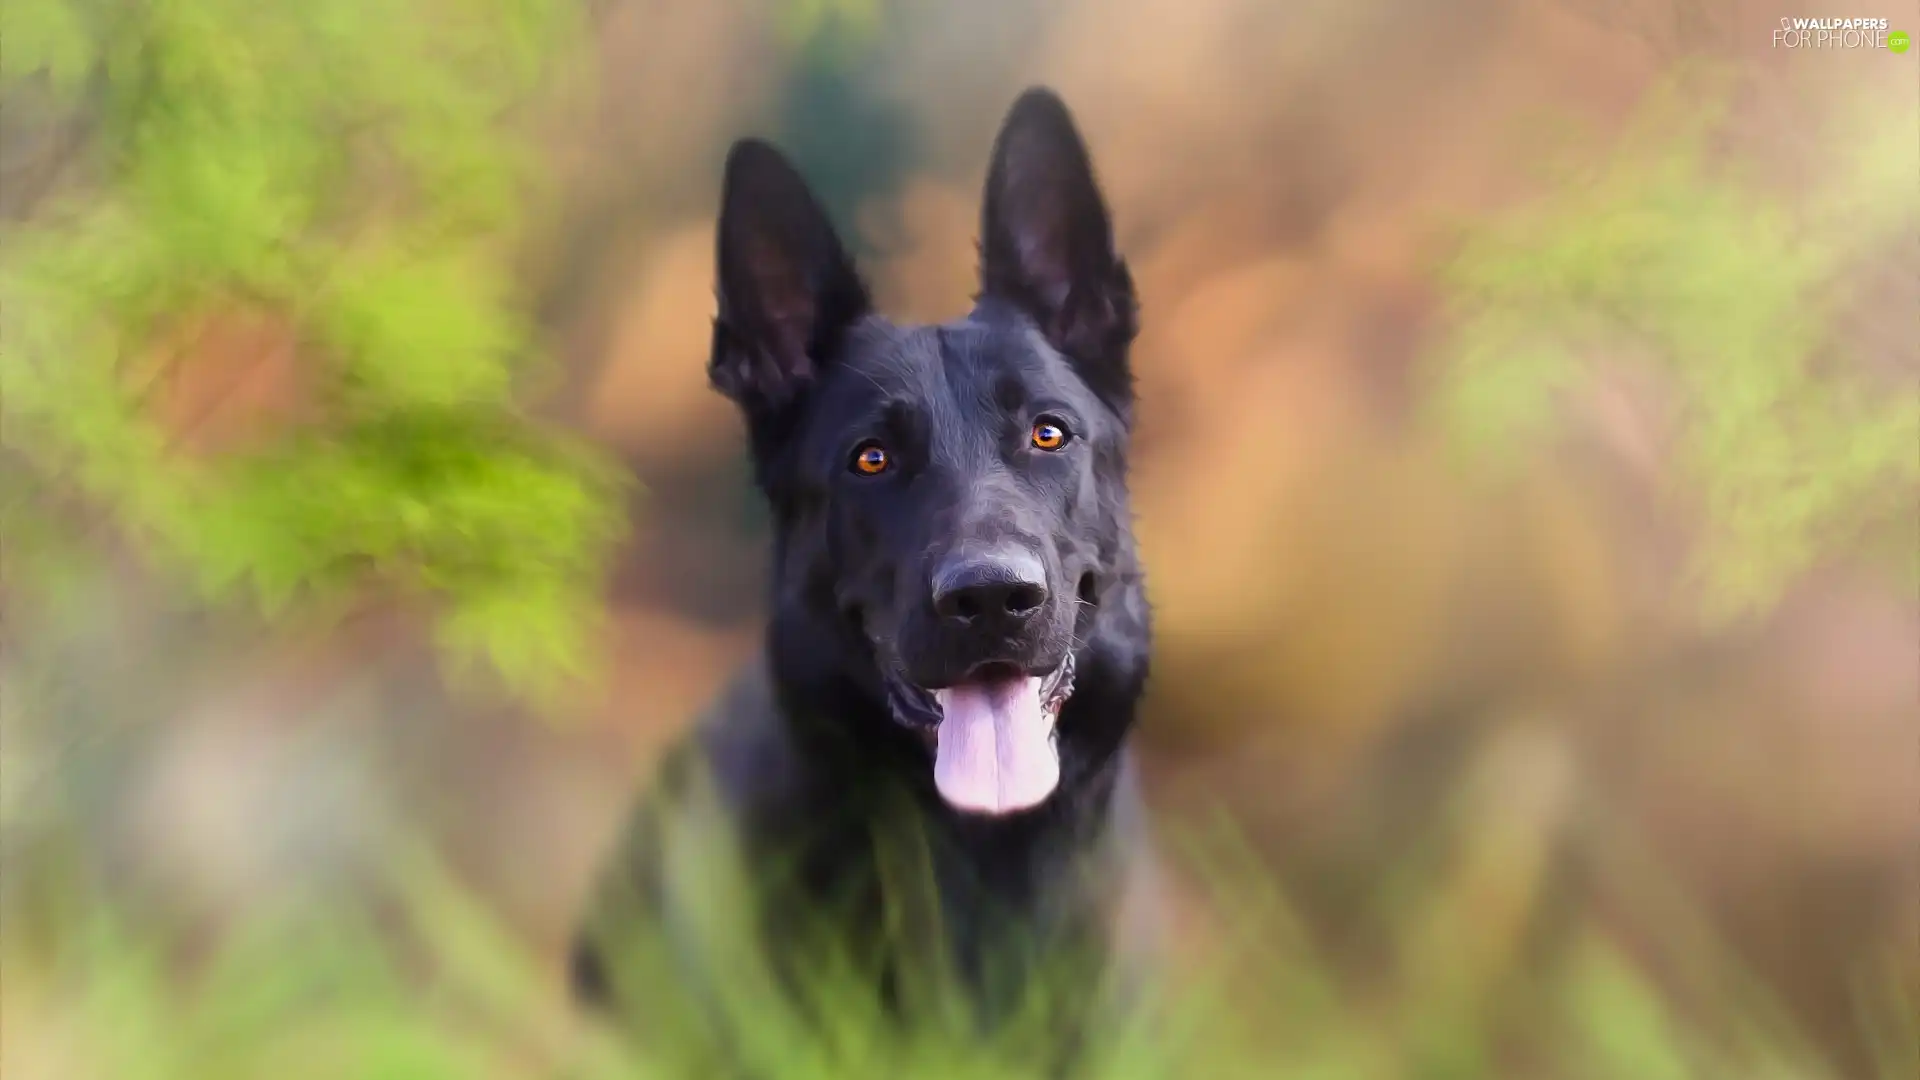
(427, 984)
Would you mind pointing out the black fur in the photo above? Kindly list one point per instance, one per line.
(824, 745)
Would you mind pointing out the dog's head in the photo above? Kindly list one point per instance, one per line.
(950, 500)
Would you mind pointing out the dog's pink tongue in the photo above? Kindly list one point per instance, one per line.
(995, 753)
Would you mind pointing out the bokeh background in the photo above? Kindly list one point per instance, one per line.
(1527, 476)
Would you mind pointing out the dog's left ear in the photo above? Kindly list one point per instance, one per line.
(1046, 245)
(787, 287)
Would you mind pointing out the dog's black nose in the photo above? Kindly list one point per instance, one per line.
(1004, 588)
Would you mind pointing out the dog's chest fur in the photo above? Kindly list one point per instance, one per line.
(882, 866)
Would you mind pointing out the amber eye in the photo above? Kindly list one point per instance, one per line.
(1048, 435)
(871, 459)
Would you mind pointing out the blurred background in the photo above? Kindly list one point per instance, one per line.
(1527, 477)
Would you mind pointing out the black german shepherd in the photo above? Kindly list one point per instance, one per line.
(959, 628)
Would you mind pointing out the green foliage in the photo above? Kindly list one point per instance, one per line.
(314, 991)
(807, 22)
(1669, 255)
(349, 168)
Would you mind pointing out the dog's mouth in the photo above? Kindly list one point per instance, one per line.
(994, 736)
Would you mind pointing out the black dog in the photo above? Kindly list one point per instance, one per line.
(959, 628)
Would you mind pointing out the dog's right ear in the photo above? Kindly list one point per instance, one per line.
(787, 288)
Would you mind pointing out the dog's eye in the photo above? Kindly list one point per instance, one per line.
(871, 459)
(1048, 435)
